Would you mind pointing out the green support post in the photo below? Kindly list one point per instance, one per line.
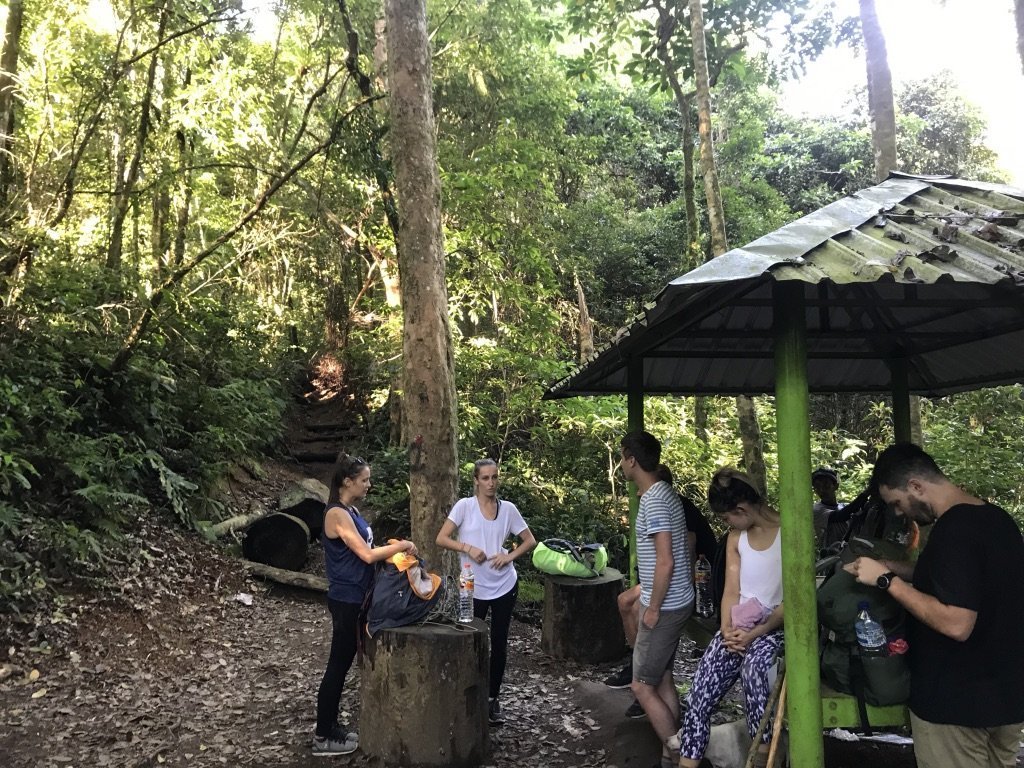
(900, 399)
(634, 422)
(795, 502)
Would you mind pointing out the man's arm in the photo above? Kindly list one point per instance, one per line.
(950, 620)
(663, 568)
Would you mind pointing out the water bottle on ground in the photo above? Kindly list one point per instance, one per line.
(466, 594)
(702, 584)
(870, 634)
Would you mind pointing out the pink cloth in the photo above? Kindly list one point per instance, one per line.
(749, 613)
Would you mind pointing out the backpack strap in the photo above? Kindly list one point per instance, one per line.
(857, 681)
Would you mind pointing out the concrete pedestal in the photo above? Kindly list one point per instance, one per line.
(424, 695)
(581, 618)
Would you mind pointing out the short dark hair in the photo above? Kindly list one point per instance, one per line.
(644, 447)
(828, 472)
(345, 468)
(729, 488)
(898, 463)
(481, 463)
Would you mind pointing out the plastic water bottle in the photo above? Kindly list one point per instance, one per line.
(870, 634)
(466, 594)
(702, 583)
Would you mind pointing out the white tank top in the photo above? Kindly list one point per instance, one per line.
(761, 571)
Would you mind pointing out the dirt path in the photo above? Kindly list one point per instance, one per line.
(181, 671)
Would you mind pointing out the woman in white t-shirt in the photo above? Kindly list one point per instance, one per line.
(483, 524)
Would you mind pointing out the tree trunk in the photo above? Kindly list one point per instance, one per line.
(429, 387)
(666, 26)
(125, 186)
(753, 448)
(689, 188)
(586, 326)
(8, 75)
(750, 432)
(716, 211)
(284, 576)
(1018, 12)
(880, 102)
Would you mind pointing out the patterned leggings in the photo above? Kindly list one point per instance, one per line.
(715, 675)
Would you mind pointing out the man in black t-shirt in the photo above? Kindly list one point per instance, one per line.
(965, 597)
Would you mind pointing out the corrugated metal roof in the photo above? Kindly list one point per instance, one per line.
(924, 269)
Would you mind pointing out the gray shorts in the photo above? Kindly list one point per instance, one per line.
(655, 649)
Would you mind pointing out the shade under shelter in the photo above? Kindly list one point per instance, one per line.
(915, 285)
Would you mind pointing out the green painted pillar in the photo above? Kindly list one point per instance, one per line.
(634, 422)
(900, 399)
(795, 503)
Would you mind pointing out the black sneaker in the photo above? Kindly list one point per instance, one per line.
(635, 711)
(620, 679)
(494, 716)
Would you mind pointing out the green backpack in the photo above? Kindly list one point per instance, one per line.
(559, 557)
(876, 680)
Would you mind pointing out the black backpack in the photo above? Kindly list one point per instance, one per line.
(395, 601)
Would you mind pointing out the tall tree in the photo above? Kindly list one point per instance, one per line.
(1018, 12)
(750, 432)
(881, 107)
(8, 79)
(429, 396)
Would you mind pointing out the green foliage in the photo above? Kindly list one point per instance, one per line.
(976, 440)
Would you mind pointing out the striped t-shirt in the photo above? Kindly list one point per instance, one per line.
(661, 509)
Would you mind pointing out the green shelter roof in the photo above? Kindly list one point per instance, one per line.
(922, 271)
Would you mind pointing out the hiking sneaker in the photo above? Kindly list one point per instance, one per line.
(620, 679)
(494, 716)
(338, 743)
(635, 711)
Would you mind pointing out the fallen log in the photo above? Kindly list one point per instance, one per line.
(234, 523)
(278, 540)
(291, 578)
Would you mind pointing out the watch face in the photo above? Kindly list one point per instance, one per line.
(884, 580)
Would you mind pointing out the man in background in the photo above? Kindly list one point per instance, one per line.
(829, 528)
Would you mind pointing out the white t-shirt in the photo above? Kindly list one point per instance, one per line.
(490, 536)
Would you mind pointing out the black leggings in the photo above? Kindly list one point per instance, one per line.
(501, 618)
(345, 618)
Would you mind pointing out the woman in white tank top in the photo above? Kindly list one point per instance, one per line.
(750, 637)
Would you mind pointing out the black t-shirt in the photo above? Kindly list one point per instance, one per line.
(974, 559)
(697, 524)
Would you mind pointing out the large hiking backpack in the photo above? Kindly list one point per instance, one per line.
(875, 680)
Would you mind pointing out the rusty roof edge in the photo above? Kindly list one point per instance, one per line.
(951, 181)
(790, 243)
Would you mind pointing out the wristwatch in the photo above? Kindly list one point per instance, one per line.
(885, 580)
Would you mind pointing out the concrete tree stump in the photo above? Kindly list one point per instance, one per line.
(581, 618)
(424, 695)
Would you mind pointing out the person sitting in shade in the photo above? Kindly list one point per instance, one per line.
(829, 527)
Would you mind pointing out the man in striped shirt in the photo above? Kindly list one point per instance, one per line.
(666, 584)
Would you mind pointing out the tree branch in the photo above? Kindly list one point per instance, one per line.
(131, 341)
